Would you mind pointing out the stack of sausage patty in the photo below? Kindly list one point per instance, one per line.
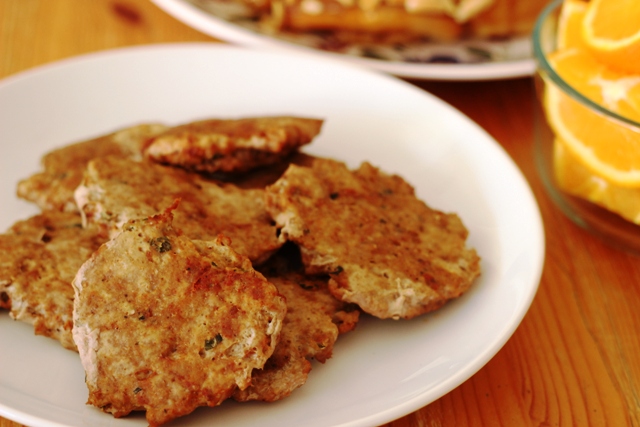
(192, 264)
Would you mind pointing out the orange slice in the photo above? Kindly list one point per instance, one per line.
(573, 178)
(606, 147)
(570, 24)
(615, 91)
(611, 30)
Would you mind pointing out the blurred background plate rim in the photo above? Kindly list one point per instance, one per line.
(221, 29)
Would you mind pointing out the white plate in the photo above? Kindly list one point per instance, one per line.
(510, 57)
(384, 369)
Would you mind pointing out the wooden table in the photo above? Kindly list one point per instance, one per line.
(574, 360)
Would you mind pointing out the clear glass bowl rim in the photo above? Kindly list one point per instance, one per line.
(543, 65)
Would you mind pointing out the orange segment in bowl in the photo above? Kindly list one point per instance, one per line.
(611, 30)
(616, 91)
(606, 147)
(570, 24)
(573, 178)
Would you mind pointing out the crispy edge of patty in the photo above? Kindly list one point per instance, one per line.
(39, 257)
(232, 145)
(115, 190)
(53, 187)
(311, 327)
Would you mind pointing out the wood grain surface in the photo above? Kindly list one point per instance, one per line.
(575, 358)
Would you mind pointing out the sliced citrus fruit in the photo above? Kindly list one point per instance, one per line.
(611, 30)
(570, 24)
(616, 91)
(573, 178)
(607, 147)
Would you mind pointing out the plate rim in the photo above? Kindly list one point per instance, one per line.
(409, 405)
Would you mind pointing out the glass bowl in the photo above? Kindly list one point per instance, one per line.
(594, 212)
